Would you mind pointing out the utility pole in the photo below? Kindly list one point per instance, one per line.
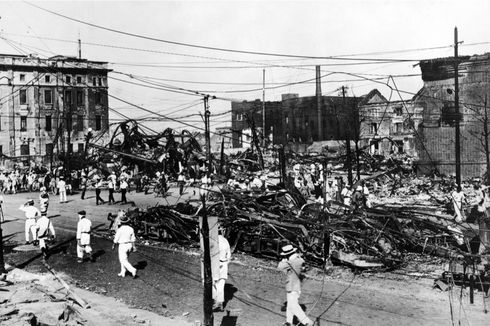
(456, 110)
(347, 142)
(208, 278)
(263, 108)
(487, 146)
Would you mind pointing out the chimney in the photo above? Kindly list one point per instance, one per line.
(319, 103)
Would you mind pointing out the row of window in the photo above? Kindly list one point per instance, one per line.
(25, 148)
(48, 97)
(96, 81)
(48, 123)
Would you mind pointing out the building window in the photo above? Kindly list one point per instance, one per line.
(94, 81)
(23, 123)
(100, 81)
(68, 79)
(79, 122)
(48, 97)
(22, 77)
(1, 150)
(79, 79)
(98, 122)
(98, 98)
(398, 110)
(48, 123)
(373, 128)
(23, 96)
(49, 149)
(24, 149)
(68, 97)
(287, 119)
(398, 127)
(79, 97)
(80, 147)
(47, 78)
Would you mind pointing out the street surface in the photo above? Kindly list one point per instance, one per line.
(169, 281)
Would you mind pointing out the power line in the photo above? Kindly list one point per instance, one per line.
(208, 47)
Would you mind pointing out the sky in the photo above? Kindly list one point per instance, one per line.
(226, 47)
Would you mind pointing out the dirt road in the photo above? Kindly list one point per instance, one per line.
(169, 280)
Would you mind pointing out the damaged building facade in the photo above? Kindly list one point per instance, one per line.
(436, 147)
(297, 121)
(47, 106)
(388, 127)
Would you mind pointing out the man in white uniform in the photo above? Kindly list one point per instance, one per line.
(84, 227)
(62, 189)
(31, 213)
(45, 231)
(224, 260)
(125, 238)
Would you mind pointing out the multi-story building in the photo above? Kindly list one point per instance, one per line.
(388, 127)
(48, 105)
(436, 100)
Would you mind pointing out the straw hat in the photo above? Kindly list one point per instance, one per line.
(287, 250)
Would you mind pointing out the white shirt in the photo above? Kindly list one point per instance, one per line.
(123, 185)
(84, 227)
(62, 185)
(224, 249)
(30, 211)
(125, 234)
(44, 227)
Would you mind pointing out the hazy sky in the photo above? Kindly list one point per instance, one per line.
(359, 30)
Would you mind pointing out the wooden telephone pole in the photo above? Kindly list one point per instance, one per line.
(208, 277)
(456, 110)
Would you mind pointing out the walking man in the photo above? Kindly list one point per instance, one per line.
(458, 198)
(45, 231)
(62, 189)
(224, 259)
(31, 213)
(292, 264)
(84, 227)
(98, 189)
(125, 238)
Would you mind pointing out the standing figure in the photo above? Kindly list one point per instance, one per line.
(181, 182)
(458, 197)
(84, 185)
(98, 189)
(125, 238)
(43, 201)
(45, 231)
(124, 188)
(111, 186)
(31, 213)
(292, 264)
(62, 189)
(84, 227)
(219, 283)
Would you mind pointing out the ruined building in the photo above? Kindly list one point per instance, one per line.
(48, 105)
(436, 147)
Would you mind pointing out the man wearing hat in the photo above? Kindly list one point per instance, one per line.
(125, 238)
(292, 264)
(44, 231)
(31, 213)
(84, 227)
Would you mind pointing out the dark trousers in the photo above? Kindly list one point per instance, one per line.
(83, 192)
(123, 196)
(97, 196)
(111, 195)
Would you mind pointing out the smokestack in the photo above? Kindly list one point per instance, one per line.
(319, 103)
